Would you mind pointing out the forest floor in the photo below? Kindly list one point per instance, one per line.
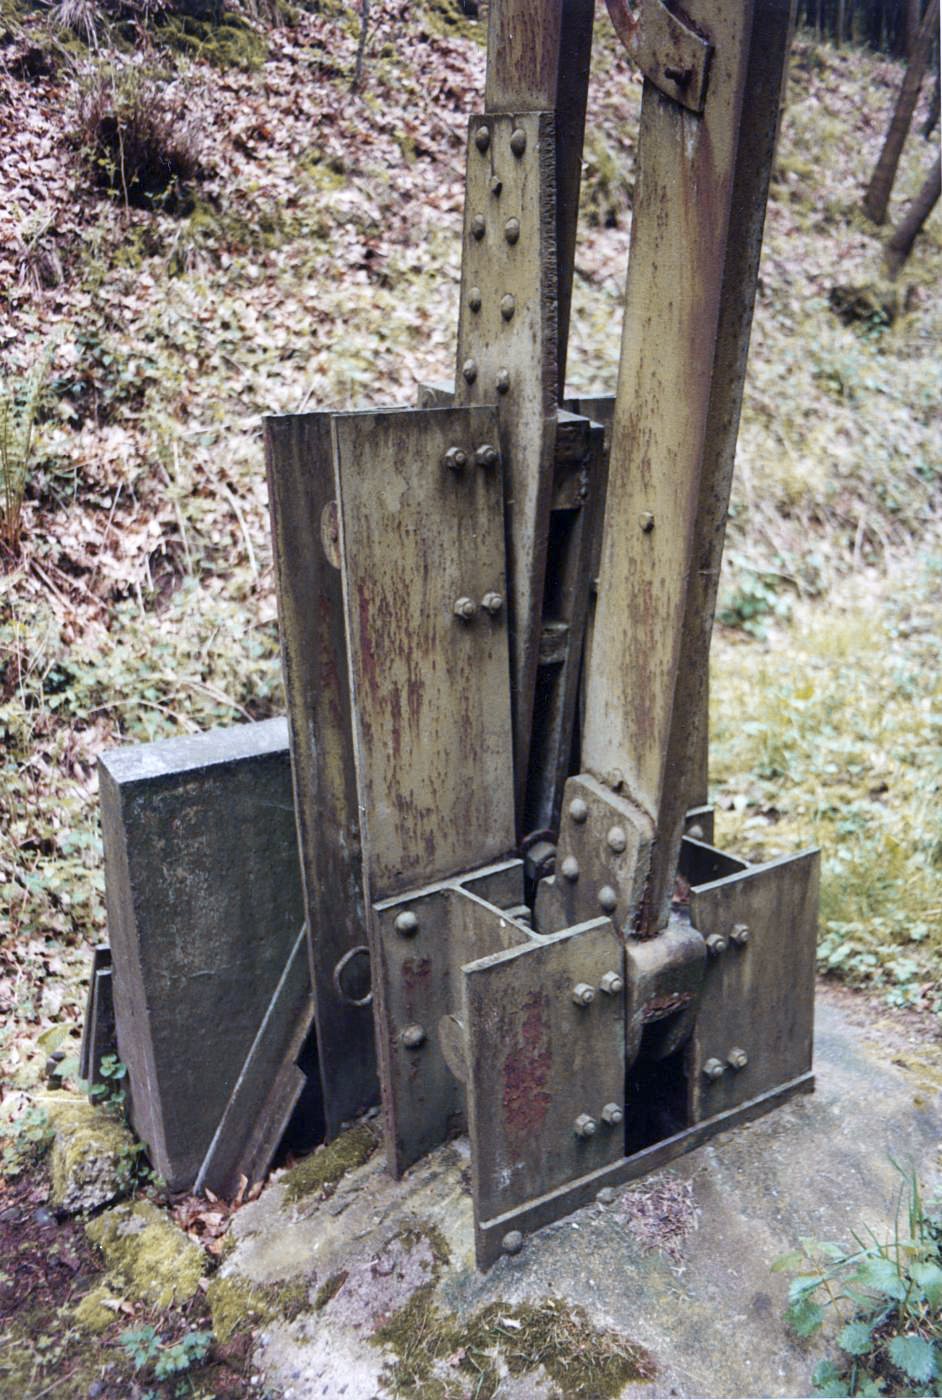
(309, 257)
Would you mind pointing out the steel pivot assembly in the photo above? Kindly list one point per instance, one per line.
(496, 614)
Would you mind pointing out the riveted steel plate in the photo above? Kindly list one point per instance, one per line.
(420, 942)
(507, 354)
(543, 1064)
(601, 859)
(430, 687)
(758, 995)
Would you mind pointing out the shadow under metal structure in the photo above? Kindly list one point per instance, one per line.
(496, 612)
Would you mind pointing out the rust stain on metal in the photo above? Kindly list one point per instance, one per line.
(416, 973)
(527, 1068)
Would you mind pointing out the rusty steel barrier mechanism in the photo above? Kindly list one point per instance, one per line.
(496, 613)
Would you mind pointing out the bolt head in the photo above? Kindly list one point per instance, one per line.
(716, 944)
(496, 185)
(482, 138)
(615, 779)
(612, 983)
(508, 305)
(512, 1243)
(406, 923)
(608, 899)
(470, 371)
(478, 227)
(465, 608)
(739, 933)
(502, 381)
(474, 298)
(570, 868)
(617, 840)
(612, 1114)
(583, 994)
(518, 141)
(492, 603)
(512, 230)
(646, 521)
(584, 1126)
(714, 1069)
(412, 1037)
(578, 810)
(486, 456)
(455, 458)
(737, 1058)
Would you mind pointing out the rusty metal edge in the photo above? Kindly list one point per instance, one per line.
(544, 1210)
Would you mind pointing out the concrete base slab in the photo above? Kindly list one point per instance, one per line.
(677, 1264)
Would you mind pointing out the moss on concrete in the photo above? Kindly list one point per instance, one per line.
(93, 1157)
(155, 1260)
(93, 1314)
(324, 1168)
(581, 1359)
(235, 1301)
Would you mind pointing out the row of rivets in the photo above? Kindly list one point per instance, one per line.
(501, 380)
(585, 1125)
(716, 943)
(736, 1059)
(466, 607)
(479, 229)
(518, 140)
(456, 458)
(611, 983)
(508, 303)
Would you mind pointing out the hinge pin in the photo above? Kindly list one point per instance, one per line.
(583, 994)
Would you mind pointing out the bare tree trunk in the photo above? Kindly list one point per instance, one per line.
(361, 46)
(841, 22)
(913, 16)
(881, 184)
(900, 245)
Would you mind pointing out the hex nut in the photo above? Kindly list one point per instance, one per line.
(470, 371)
(714, 1069)
(518, 141)
(578, 810)
(617, 840)
(508, 305)
(584, 1126)
(646, 521)
(570, 868)
(455, 458)
(412, 1037)
(492, 603)
(739, 934)
(474, 298)
(612, 983)
(478, 227)
(486, 456)
(465, 608)
(716, 944)
(406, 923)
(583, 994)
(612, 1114)
(608, 899)
(482, 138)
(512, 1243)
(512, 230)
(502, 382)
(737, 1058)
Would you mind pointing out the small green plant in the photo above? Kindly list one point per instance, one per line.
(19, 401)
(109, 1090)
(886, 1294)
(165, 1360)
(30, 1137)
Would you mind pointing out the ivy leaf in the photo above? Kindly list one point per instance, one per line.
(804, 1316)
(915, 1356)
(855, 1338)
(827, 1380)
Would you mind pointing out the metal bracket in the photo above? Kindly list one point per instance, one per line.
(668, 47)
